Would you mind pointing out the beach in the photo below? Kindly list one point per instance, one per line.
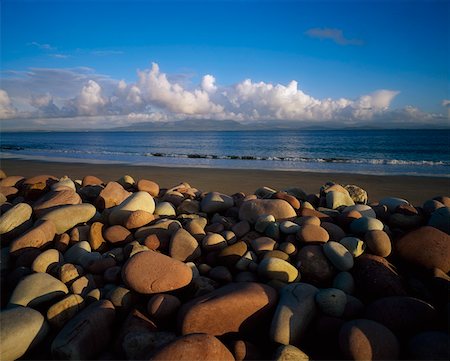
(415, 189)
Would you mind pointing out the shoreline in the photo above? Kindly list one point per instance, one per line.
(416, 189)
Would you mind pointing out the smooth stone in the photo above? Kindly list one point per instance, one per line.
(244, 262)
(163, 306)
(15, 217)
(62, 311)
(117, 235)
(338, 255)
(289, 353)
(331, 301)
(366, 224)
(345, 282)
(69, 272)
(75, 252)
(137, 345)
(137, 219)
(252, 209)
(86, 335)
(354, 245)
(426, 247)
(294, 313)
(11, 181)
(189, 206)
(137, 201)
(263, 244)
(314, 266)
(273, 230)
(375, 277)
(335, 199)
(220, 274)
(335, 232)
(150, 272)
(22, 328)
(47, 261)
(232, 254)
(200, 346)
(37, 237)
(363, 339)
(430, 345)
(378, 243)
(244, 350)
(95, 237)
(277, 254)
(354, 308)
(294, 202)
(263, 222)
(310, 233)
(83, 285)
(126, 181)
(392, 203)
(36, 289)
(213, 242)
(184, 247)
(66, 217)
(122, 298)
(54, 199)
(148, 186)
(241, 228)
(91, 180)
(215, 202)
(236, 307)
(277, 269)
(365, 210)
(165, 209)
(63, 183)
(265, 192)
(357, 194)
(440, 219)
(112, 195)
(288, 248)
(402, 314)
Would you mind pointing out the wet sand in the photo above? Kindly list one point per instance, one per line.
(415, 189)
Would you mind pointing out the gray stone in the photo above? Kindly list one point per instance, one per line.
(331, 301)
(215, 202)
(76, 252)
(392, 203)
(338, 255)
(440, 219)
(365, 210)
(345, 282)
(366, 224)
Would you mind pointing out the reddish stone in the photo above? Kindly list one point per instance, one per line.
(148, 186)
(37, 237)
(91, 180)
(294, 202)
(112, 195)
(117, 235)
(54, 199)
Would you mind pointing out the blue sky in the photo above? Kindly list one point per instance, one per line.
(351, 61)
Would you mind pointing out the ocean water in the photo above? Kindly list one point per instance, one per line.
(414, 152)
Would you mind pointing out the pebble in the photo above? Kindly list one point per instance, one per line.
(22, 328)
(364, 210)
(314, 266)
(183, 247)
(335, 232)
(365, 224)
(213, 242)
(95, 237)
(77, 251)
(331, 301)
(165, 209)
(289, 353)
(215, 202)
(36, 289)
(363, 339)
(37, 237)
(66, 217)
(357, 194)
(345, 282)
(378, 243)
(336, 199)
(263, 244)
(338, 255)
(263, 221)
(277, 269)
(14, 217)
(137, 201)
(62, 311)
(278, 208)
(392, 203)
(147, 272)
(117, 235)
(163, 306)
(54, 199)
(69, 272)
(47, 261)
(310, 233)
(112, 195)
(440, 219)
(354, 245)
(429, 345)
(145, 185)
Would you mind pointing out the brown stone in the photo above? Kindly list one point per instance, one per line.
(152, 242)
(443, 199)
(69, 272)
(54, 199)
(112, 195)
(62, 242)
(314, 266)
(183, 246)
(236, 307)
(91, 180)
(12, 181)
(426, 247)
(117, 235)
(345, 218)
(96, 239)
(304, 220)
(199, 347)
(312, 234)
(375, 277)
(32, 188)
(101, 265)
(150, 272)
(367, 340)
(378, 242)
(83, 285)
(304, 212)
(231, 254)
(148, 186)
(294, 202)
(37, 237)
(138, 219)
(9, 192)
(252, 209)
(263, 244)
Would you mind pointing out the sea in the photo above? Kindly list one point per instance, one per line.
(388, 152)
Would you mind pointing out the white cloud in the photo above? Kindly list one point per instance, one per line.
(42, 46)
(336, 35)
(46, 94)
(446, 102)
(7, 110)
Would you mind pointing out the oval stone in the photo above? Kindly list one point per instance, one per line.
(15, 217)
(314, 266)
(338, 255)
(21, 329)
(64, 310)
(148, 186)
(137, 201)
(310, 233)
(54, 199)
(366, 224)
(47, 260)
(252, 209)
(215, 202)
(36, 237)
(37, 288)
(277, 269)
(331, 301)
(150, 272)
(66, 217)
(379, 243)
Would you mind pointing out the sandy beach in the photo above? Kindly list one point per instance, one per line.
(416, 189)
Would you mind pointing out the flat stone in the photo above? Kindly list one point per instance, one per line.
(338, 255)
(263, 244)
(294, 313)
(426, 247)
(215, 202)
(36, 289)
(15, 217)
(137, 201)
(47, 261)
(236, 307)
(137, 219)
(276, 269)
(378, 243)
(62, 311)
(118, 235)
(54, 199)
(37, 237)
(66, 217)
(112, 195)
(22, 328)
(367, 340)
(293, 201)
(314, 266)
(145, 185)
(198, 346)
(151, 272)
(183, 247)
(252, 209)
(86, 335)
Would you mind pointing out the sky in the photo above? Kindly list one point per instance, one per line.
(102, 64)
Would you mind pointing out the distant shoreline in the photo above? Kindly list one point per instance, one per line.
(415, 189)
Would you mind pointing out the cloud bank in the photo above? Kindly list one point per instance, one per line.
(336, 35)
(48, 95)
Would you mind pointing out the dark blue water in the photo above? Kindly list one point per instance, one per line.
(417, 152)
